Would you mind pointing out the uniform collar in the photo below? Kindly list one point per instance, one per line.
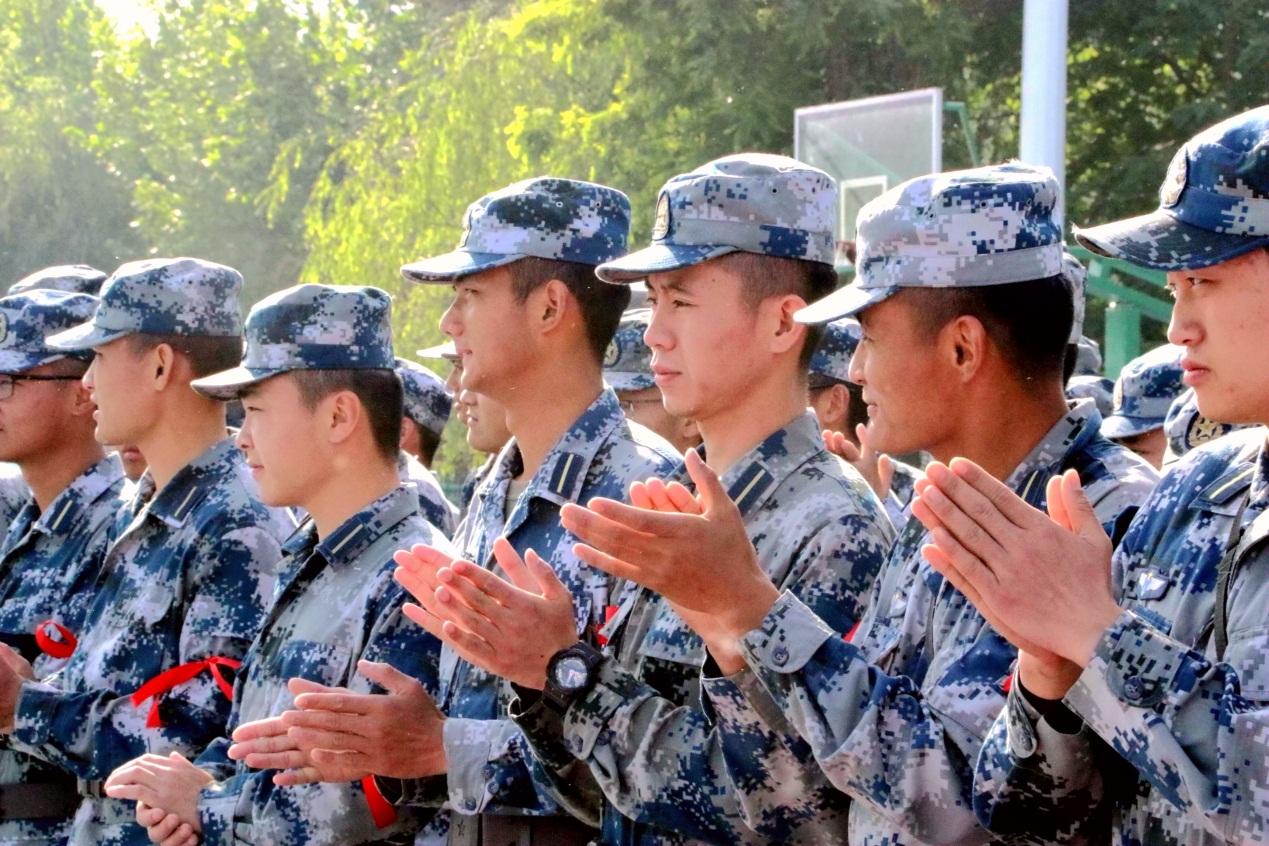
(1072, 432)
(346, 544)
(190, 485)
(66, 509)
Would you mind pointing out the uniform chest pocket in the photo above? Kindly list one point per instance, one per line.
(154, 603)
(670, 658)
(314, 661)
(1248, 654)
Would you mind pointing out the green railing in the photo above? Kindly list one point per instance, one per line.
(1126, 305)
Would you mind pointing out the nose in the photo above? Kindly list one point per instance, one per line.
(1183, 327)
(855, 370)
(657, 336)
(89, 379)
(449, 323)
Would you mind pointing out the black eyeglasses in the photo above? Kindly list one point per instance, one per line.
(7, 382)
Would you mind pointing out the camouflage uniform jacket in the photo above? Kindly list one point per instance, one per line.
(336, 604)
(433, 504)
(821, 534)
(1191, 728)
(896, 713)
(187, 577)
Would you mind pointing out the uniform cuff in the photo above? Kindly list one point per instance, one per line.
(430, 792)
(1133, 667)
(33, 717)
(588, 717)
(543, 728)
(469, 747)
(787, 638)
(217, 810)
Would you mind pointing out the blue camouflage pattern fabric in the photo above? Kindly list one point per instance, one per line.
(427, 401)
(433, 504)
(1099, 389)
(641, 730)
(1075, 274)
(749, 202)
(1213, 203)
(986, 226)
(336, 603)
(187, 577)
(832, 357)
(28, 320)
(71, 278)
(13, 493)
(1088, 357)
(600, 454)
(896, 712)
(1187, 428)
(182, 296)
(1168, 735)
(1144, 392)
(49, 563)
(544, 217)
(628, 360)
(309, 327)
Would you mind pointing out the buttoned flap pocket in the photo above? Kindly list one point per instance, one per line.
(1248, 654)
(671, 656)
(877, 643)
(154, 602)
(313, 661)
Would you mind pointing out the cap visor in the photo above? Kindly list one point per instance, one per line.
(229, 384)
(1117, 426)
(628, 381)
(844, 302)
(85, 336)
(443, 352)
(658, 258)
(454, 265)
(1160, 241)
(12, 361)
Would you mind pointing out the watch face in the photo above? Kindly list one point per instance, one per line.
(571, 673)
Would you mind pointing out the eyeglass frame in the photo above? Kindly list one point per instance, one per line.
(12, 380)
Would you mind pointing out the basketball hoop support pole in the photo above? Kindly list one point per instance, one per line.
(1043, 129)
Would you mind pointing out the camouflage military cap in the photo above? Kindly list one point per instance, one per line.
(427, 401)
(1088, 357)
(1187, 428)
(550, 218)
(72, 278)
(441, 352)
(967, 228)
(310, 327)
(28, 319)
(750, 202)
(1213, 204)
(628, 360)
(1075, 275)
(832, 357)
(1097, 388)
(182, 296)
(1144, 391)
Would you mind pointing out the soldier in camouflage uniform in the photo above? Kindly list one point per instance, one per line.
(188, 572)
(896, 711)
(526, 261)
(50, 558)
(314, 352)
(628, 371)
(1144, 391)
(427, 406)
(1154, 657)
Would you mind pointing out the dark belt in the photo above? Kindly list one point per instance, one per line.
(504, 830)
(55, 800)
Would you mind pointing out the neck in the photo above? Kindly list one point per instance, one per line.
(52, 471)
(352, 485)
(183, 432)
(742, 425)
(543, 405)
(998, 432)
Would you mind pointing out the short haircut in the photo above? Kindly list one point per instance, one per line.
(775, 276)
(69, 366)
(601, 303)
(207, 354)
(379, 391)
(429, 442)
(1029, 322)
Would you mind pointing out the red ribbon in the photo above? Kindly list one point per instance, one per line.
(169, 679)
(610, 611)
(381, 810)
(850, 635)
(60, 646)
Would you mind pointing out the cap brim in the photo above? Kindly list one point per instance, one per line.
(1117, 426)
(1160, 241)
(658, 258)
(844, 302)
(454, 265)
(85, 336)
(440, 352)
(229, 384)
(13, 362)
(629, 381)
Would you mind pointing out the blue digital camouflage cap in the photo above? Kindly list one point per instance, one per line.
(1088, 357)
(832, 357)
(547, 217)
(310, 327)
(1097, 388)
(1144, 391)
(960, 229)
(72, 278)
(427, 401)
(1213, 204)
(628, 360)
(441, 352)
(182, 296)
(750, 202)
(1075, 275)
(28, 319)
(1187, 428)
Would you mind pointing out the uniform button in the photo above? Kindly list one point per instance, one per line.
(780, 656)
(470, 805)
(1134, 688)
(487, 771)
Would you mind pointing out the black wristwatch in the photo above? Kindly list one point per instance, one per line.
(570, 673)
